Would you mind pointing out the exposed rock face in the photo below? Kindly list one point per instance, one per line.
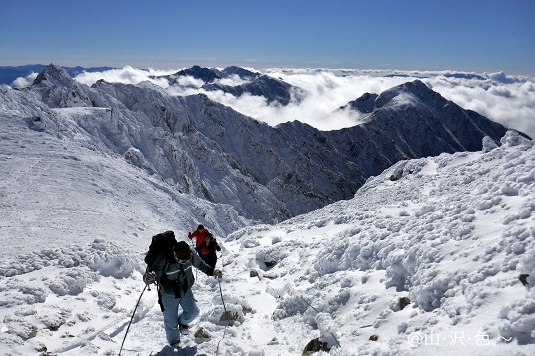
(314, 346)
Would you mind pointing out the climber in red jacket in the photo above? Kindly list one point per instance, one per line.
(199, 236)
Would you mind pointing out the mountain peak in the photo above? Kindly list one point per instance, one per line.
(58, 89)
(368, 102)
(416, 88)
(208, 75)
(54, 74)
(273, 89)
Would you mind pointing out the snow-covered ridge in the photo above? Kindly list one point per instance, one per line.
(210, 151)
(433, 256)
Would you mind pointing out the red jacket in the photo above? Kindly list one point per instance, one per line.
(199, 235)
(209, 249)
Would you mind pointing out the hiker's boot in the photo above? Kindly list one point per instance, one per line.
(184, 329)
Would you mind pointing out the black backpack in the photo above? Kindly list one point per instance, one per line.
(161, 243)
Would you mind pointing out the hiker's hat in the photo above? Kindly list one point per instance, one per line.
(182, 252)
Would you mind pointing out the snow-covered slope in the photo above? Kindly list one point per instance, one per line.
(435, 256)
(59, 184)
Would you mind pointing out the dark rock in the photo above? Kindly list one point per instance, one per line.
(394, 178)
(524, 279)
(40, 347)
(273, 341)
(403, 302)
(232, 316)
(374, 338)
(201, 334)
(315, 346)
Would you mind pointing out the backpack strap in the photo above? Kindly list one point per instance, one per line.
(160, 301)
(165, 267)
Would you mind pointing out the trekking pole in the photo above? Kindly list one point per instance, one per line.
(226, 313)
(224, 306)
(132, 318)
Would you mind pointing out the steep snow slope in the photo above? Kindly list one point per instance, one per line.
(454, 234)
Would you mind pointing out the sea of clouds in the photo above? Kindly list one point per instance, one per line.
(508, 100)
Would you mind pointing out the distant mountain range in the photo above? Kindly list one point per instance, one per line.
(447, 75)
(272, 89)
(209, 75)
(203, 148)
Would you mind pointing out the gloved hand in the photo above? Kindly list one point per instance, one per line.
(217, 273)
(149, 277)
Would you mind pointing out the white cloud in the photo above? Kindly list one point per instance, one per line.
(22, 82)
(126, 75)
(512, 104)
(233, 80)
(189, 81)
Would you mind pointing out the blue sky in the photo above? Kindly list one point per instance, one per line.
(463, 35)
